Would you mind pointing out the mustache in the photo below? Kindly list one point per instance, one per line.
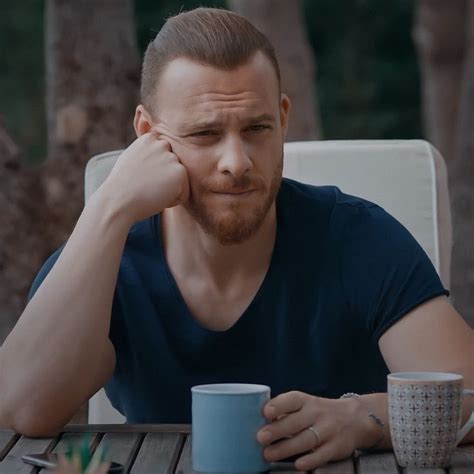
(231, 184)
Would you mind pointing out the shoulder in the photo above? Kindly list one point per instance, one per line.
(365, 226)
(338, 207)
(292, 192)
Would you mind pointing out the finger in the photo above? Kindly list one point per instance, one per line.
(319, 457)
(159, 137)
(285, 426)
(153, 140)
(155, 134)
(166, 144)
(300, 443)
(163, 135)
(285, 403)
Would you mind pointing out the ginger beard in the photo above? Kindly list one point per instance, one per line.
(235, 221)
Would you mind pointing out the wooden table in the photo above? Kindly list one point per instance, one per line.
(163, 449)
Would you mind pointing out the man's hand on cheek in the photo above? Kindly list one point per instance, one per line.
(147, 178)
(175, 148)
(315, 430)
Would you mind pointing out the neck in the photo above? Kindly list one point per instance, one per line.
(189, 250)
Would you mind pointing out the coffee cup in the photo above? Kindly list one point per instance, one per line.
(425, 417)
(225, 422)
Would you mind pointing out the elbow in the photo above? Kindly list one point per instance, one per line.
(34, 429)
(31, 424)
(37, 430)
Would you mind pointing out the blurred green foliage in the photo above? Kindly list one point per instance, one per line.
(367, 71)
(22, 84)
(367, 77)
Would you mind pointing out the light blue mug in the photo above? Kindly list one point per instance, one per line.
(225, 422)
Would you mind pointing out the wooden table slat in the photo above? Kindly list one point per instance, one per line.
(7, 440)
(423, 470)
(185, 464)
(12, 463)
(75, 439)
(374, 463)
(159, 452)
(121, 447)
(341, 467)
(147, 449)
(120, 428)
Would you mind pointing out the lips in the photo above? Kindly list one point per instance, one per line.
(234, 191)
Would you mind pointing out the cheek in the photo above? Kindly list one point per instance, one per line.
(197, 172)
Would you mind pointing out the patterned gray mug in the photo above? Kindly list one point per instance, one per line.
(425, 415)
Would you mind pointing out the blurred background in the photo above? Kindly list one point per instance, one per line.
(355, 69)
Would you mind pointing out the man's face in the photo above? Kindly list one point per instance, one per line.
(227, 128)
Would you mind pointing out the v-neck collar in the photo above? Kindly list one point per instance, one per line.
(187, 320)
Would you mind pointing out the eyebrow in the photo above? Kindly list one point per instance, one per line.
(204, 125)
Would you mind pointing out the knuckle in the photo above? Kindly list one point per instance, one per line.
(295, 394)
(312, 408)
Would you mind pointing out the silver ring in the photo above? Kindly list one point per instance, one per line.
(315, 431)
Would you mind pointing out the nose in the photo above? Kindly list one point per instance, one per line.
(234, 159)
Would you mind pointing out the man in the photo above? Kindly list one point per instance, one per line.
(194, 263)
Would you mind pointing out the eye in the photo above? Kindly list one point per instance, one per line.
(258, 128)
(203, 133)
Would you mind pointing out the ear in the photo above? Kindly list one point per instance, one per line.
(285, 106)
(142, 123)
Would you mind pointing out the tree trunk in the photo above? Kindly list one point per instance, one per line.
(92, 75)
(92, 87)
(21, 232)
(282, 22)
(439, 36)
(444, 38)
(462, 185)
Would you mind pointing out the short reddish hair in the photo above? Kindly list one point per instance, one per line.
(210, 36)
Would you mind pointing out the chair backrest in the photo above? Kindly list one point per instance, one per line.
(406, 177)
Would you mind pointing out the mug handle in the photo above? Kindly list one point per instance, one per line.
(469, 423)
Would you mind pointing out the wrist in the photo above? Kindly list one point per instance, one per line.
(372, 428)
(108, 205)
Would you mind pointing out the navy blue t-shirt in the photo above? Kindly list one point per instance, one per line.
(342, 272)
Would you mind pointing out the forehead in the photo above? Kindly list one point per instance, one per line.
(187, 89)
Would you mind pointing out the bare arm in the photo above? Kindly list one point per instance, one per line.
(59, 353)
(432, 337)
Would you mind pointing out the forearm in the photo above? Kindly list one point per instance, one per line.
(54, 356)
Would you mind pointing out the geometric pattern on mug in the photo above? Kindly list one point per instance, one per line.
(424, 422)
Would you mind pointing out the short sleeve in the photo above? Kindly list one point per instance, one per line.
(385, 273)
(44, 270)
